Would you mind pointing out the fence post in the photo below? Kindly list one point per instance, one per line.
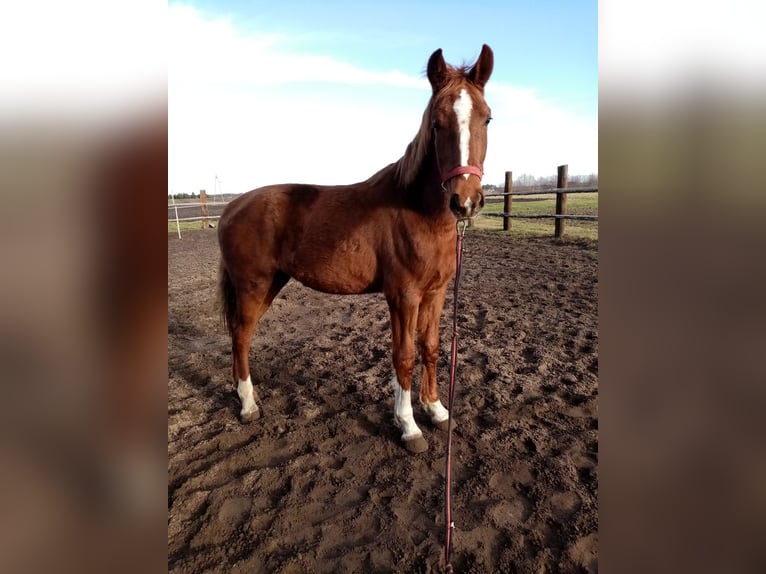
(507, 200)
(203, 201)
(561, 200)
(178, 224)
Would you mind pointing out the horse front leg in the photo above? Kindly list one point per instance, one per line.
(429, 316)
(404, 316)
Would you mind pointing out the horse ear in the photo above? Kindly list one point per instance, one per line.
(437, 70)
(482, 69)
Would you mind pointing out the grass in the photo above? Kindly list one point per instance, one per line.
(577, 204)
(187, 226)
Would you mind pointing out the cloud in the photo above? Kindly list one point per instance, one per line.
(248, 108)
(218, 52)
(532, 135)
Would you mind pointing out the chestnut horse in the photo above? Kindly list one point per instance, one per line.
(394, 233)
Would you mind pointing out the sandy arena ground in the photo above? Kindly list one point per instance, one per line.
(321, 482)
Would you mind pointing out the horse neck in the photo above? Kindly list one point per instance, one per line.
(425, 194)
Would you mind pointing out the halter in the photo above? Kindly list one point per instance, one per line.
(461, 169)
(455, 171)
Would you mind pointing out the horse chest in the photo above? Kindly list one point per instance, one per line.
(430, 257)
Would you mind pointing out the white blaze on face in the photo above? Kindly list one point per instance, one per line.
(463, 106)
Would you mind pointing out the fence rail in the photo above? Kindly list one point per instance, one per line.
(198, 218)
(561, 191)
(186, 205)
(550, 191)
(541, 216)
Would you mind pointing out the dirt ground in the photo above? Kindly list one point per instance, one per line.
(321, 484)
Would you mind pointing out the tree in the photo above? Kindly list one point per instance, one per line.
(525, 180)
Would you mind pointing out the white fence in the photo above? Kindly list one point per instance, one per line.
(200, 210)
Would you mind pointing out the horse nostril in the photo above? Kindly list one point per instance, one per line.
(481, 200)
(454, 203)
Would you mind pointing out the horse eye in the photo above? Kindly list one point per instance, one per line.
(489, 119)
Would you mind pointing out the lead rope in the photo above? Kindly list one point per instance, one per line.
(449, 525)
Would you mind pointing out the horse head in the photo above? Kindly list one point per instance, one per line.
(459, 120)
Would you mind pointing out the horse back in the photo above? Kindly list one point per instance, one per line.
(327, 237)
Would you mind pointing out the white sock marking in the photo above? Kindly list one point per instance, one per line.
(436, 411)
(403, 412)
(463, 106)
(245, 392)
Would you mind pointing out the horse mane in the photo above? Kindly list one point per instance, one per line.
(408, 167)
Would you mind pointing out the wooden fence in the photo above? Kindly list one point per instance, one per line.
(561, 190)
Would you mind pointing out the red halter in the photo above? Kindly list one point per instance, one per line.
(462, 169)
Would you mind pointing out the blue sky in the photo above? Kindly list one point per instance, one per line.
(547, 45)
(329, 92)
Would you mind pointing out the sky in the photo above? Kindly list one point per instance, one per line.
(330, 92)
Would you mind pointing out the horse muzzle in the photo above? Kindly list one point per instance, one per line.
(467, 198)
(466, 208)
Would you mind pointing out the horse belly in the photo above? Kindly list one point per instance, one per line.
(349, 268)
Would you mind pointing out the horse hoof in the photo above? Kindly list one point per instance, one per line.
(444, 425)
(416, 444)
(250, 417)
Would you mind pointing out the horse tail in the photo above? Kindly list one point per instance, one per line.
(227, 296)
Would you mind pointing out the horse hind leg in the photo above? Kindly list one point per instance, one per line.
(242, 335)
(251, 307)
